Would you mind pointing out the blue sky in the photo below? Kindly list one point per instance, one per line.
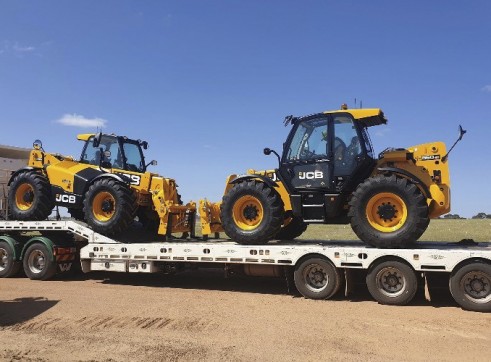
(208, 83)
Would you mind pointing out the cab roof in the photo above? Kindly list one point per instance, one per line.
(367, 116)
(85, 136)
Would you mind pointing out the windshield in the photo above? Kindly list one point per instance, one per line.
(130, 158)
(309, 140)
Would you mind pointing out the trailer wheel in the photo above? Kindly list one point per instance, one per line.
(8, 266)
(317, 278)
(470, 286)
(292, 230)
(388, 212)
(109, 206)
(30, 197)
(37, 262)
(251, 212)
(392, 282)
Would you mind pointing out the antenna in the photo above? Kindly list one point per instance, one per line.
(462, 132)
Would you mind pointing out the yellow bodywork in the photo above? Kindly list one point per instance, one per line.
(154, 192)
(429, 168)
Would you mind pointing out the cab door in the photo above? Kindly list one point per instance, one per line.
(307, 158)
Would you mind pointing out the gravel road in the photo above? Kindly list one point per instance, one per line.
(204, 316)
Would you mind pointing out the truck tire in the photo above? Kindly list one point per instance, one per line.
(30, 197)
(470, 286)
(317, 278)
(292, 230)
(392, 282)
(109, 206)
(251, 212)
(8, 266)
(388, 212)
(37, 262)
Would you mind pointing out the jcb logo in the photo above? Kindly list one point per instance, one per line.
(310, 175)
(67, 199)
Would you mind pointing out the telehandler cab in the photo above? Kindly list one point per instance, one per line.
(329, 174)
(108, 187)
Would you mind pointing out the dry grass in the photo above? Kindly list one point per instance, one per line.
(438, 230)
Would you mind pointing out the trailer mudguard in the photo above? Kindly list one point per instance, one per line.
(16, 246)
(39, 239)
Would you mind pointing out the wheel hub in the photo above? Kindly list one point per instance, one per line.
(251, 212)
(107, 206)
(478, 286)
(28, 197)
(392, 281)
(387, 211)
(317, 277)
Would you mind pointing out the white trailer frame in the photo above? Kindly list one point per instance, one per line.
(318, 265)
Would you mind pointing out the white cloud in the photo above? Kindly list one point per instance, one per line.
(17, 48)
(76, 120)
(486, 88)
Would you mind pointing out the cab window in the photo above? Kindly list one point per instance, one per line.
(310, 141)
(347, 145)
(110, 148)
(134, 159)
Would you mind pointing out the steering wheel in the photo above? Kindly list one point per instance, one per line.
(306, 154)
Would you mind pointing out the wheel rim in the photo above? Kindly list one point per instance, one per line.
(390, 282)
(248, 212)
(103, 206)
(315, 277)
(4, 259)
(24, 196)
(386, 212)
(477, 287)
(36, 261)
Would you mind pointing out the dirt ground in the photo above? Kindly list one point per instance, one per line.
(203, 316)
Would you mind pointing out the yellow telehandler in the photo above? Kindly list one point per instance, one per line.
(108, 188)
(328, 174)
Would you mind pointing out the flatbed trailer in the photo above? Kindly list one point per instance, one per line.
(318, 270)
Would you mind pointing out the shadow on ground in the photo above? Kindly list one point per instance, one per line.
(216, 280)
(23, 309)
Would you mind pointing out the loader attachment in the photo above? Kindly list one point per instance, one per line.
(209, 213)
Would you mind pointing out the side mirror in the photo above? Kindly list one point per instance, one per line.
(97, 140)
(153, 163)
(37, 145)
(267, 151)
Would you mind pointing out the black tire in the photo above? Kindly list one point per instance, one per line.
(388, 212)
(317, 278)
(109, 206)
(392, 282)
(8, 266)
(470, 286)
(292, 230)
(30, 197)
(251, 212)
(77, 214)
(37, 263)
